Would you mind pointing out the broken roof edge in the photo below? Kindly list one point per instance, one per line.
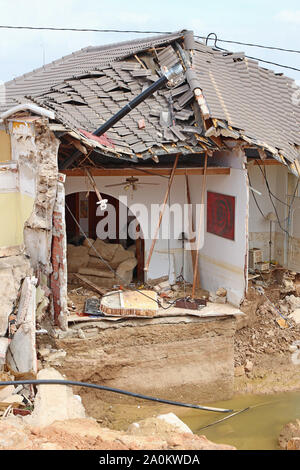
(27, 107)
(161, 37)
(111, 46)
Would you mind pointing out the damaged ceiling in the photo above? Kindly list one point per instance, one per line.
(245, 101)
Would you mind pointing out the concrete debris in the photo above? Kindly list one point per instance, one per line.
(42, 304)
(4, 343)
(6, 392)
(81, 334)
(239, 371)
(172, 419)
(287, 286)
(54, 402)
(12, 271)
(21, 353)
(221, 292)
(260, 334)
(288, 433)
(219, 297)
(248, 366)
(162, 287)
(51, 355)
(293, 444)
(87, 434)
(13, 399)
(292, 301)
(295, 315)
(44, 352)
(55, 355)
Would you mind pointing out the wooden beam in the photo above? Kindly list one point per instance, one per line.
(92, 181)
(154, 171)
(192, 227)
(268, 161)
(99, 290)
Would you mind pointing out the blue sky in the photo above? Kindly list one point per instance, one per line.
(273, 23)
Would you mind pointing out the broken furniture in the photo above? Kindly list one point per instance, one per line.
(116, 268)
(92, 307)
(141, 303)
(255, 256)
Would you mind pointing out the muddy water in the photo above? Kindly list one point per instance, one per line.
(255, 429)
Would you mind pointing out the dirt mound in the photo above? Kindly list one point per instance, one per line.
(86, 434)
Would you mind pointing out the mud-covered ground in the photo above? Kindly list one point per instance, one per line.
(266, 361)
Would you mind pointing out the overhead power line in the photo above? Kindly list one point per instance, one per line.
(94, 30)
(91, 30)
(254, 45)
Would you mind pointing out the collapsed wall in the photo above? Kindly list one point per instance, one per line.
(29, 187)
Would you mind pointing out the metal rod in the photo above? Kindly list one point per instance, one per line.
(176, 70)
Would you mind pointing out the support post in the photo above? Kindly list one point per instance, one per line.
(192, 226)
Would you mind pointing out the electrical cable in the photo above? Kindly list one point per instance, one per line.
(253, 45)
(114, 390)
(37, 28)
(249, 57)
(255, 200)
(223, 419)
(95, 30)
(270, 196)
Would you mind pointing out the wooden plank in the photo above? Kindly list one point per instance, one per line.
(269, 161)
(130, 304)
(192, 227)
(100, 290)
(154, 172)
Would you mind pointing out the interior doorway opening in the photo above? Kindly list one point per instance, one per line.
(83, 214)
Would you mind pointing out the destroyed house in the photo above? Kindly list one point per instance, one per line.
(220, 134)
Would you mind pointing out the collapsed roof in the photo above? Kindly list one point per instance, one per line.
(244, 101)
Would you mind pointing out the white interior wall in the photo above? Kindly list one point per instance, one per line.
(259, 227)
(222, 261)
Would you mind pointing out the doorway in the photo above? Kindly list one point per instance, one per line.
(105, 225)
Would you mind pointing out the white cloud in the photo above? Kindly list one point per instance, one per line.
(289, 16)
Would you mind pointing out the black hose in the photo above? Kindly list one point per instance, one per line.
(109, 389)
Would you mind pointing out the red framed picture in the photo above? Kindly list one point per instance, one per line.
(221, 215)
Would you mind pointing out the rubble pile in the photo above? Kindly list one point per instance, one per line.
(59, 422)
(289, 437)
(15, 400)
(272, 325)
